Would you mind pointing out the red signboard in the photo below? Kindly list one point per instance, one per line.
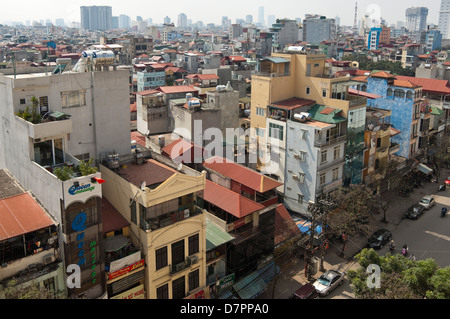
(126, 269)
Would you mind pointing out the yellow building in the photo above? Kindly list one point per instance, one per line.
(167, 222)
(301, 74)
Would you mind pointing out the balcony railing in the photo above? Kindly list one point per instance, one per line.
(169, 218)
(176, 268)
(325, 143)
(274, 74)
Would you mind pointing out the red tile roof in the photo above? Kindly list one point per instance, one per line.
(152, 172)
(327, 110)
(241, 174)
(285, 227)
(177, 89)
(133, 108)
(292, 103)
(428, 85)
(112, 220)
(138, 137)
(363, 94)
(176, 149)
(382, 74)
(147, 92)
(231, 202)
(21, 214)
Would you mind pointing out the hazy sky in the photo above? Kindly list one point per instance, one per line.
(212, 11)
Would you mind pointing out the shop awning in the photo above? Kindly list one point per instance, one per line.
(254, 284)
(115, 243)
(424, 169)
(215, 236)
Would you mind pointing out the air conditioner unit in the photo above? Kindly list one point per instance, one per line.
(48, 259)
(194, 259)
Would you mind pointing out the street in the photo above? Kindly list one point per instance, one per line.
(426, 237)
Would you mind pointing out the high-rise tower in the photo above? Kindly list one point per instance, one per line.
(444, 19)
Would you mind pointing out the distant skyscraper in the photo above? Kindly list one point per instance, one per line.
(416, 19)
(270, 20)
(261, 15)
(444, 19)
(124, 22)
(316, 30)
(182, 20)
(139, 19)
(166, 20)
(96, 17)
(249, 18)
(59, 22)
(115, 23)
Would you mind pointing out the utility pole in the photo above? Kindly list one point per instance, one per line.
(313, 209)
(324, 209)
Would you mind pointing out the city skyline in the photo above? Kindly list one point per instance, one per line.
(388, 10)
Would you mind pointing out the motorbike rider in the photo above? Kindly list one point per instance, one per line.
(404, 250)
(443, 211)
(391, 246)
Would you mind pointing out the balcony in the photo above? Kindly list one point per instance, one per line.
(48, 128)
(274, 74)
(176, 268)
(330, 142)
(170, 218)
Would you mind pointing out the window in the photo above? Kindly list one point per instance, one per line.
(276, 131)
(323, 156)
(178, 288)
(162, 292)
(23, 101)
(301, 177)
(322, 179)
(161, 257)
(194, 281)
(399, 93)
(337, 152)
(300, 198)
(133, 211)
(389, 92)
(259, 132)
(43, 103)
(73, 98)
(303, 134)
(409, 95)
(308, 90)
(324, 93)
(302, 156)
(260, 111)
(178, 252)
(83, 157)
(335, 174)
(193, 244)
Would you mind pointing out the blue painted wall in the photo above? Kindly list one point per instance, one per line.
(402, 111)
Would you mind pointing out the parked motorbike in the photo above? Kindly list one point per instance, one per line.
(443, 211)
(442, 187)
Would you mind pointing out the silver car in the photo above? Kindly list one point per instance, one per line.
(427, 202)
(328, 281)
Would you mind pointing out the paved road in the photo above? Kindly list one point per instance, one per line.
(428, 236)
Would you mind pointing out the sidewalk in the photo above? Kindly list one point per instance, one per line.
(292, 274)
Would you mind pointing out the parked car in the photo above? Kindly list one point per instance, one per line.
(328, 281)
(427, 202)
(306, 291)
(415, 211)
(379, 238)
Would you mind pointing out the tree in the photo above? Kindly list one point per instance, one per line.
(32, 115)
(14, 290)
(400, 278)
(393, 67)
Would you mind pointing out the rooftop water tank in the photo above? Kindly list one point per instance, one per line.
(300, 117)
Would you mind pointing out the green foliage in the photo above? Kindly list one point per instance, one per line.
(401, 278)
(64, 173)
(393, 67)
(31, 114)
(86, 168)
(14, 290)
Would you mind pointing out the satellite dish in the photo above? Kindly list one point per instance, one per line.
(143, 185)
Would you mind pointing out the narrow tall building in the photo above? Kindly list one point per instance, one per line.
(416, 19)
(444, 19)
(96, 17)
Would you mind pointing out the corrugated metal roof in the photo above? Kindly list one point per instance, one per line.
(276, 60)
(20, 215)
(215, 236)
(332, 117)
